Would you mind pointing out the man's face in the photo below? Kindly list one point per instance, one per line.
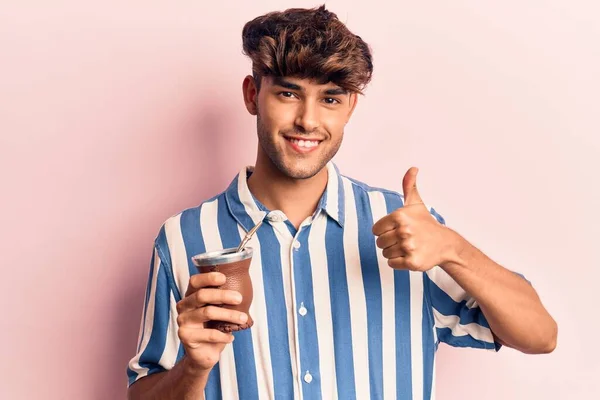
(300, 123)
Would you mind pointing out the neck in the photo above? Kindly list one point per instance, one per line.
(297, 198)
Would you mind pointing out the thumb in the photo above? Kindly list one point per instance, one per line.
(409, 186)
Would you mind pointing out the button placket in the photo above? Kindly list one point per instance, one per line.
(292, 252)
(304, 323)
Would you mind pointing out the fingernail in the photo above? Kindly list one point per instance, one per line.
(238, 298)
(243, 318)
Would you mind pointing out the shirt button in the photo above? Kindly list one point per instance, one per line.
(307, 377)
(302, 310)
(297, 245)
(275, 216)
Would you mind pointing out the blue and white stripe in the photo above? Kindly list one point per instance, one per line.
(331, 319)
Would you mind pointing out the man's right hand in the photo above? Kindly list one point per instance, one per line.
(203, 346)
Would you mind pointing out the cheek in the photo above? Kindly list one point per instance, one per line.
(334, 123)
(277, 116)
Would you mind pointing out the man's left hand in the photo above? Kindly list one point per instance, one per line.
(411, 238)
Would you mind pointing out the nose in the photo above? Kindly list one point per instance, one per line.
(308, 117)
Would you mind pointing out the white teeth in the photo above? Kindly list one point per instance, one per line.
(304, 143)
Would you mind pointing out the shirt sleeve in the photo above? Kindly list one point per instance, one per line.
(459, 322)
(158, 343)
(458, 319)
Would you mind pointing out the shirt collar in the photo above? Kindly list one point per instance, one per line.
(248, 211)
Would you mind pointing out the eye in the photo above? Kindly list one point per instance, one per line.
(286, 94)
(331, 100)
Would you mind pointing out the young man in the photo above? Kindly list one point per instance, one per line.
(354, 287)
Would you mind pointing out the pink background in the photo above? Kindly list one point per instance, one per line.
(113, 118)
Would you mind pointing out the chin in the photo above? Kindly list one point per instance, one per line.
(295, 171)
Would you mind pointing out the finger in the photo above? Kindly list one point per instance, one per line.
(209, 296)
(409, 186)
(411, 262)
(218, 296)
(388, 239)
(397, 263)
(189, 303)
(201, 315)
(206, 296)
(394, 252)
(208, 279)
(384, 225)
(194, 336)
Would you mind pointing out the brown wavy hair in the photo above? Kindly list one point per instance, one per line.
(307, 43)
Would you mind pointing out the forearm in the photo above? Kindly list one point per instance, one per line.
(182, 382)
(510, 304)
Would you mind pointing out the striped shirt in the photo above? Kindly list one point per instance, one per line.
(331, 319)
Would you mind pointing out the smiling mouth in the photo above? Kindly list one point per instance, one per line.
(303, 145)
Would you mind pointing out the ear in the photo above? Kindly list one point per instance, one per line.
(250, 93)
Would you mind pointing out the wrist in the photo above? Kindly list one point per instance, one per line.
(456, 248)
(193, 370)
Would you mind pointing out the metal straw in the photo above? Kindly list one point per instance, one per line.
(249, 236)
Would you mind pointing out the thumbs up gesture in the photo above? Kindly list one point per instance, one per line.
(411, 238)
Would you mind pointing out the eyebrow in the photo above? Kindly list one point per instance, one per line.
(336, 91)
(279, 81)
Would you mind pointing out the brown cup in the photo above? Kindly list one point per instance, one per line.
(236, 268)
